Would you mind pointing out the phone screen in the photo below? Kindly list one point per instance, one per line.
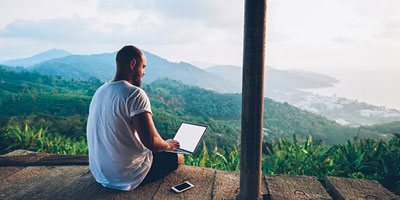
(182, 186)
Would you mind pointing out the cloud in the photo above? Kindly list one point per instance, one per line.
(208, 30)
(344, 40)
(209, 25)
(147, 28)
(124, 5)
(210, 12)
(390, 30)
(80, 31)
(49, 30)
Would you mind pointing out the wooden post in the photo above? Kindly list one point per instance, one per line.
(252, 98)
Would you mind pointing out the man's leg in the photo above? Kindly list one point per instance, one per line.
(163, 164)
(180, 159)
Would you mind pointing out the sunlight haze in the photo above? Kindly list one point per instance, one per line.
(316, 35)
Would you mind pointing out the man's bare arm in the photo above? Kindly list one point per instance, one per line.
(149, 136)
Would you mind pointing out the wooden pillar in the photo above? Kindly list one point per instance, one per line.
(252, 98)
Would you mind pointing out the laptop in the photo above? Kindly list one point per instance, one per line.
(189, 136)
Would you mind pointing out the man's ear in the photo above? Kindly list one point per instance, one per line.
(132, 64)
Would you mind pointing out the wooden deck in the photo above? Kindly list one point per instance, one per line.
(30, 175)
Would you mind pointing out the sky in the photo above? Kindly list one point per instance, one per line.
(309, 34)
(316, 35)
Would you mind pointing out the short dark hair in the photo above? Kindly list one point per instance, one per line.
(127, 53)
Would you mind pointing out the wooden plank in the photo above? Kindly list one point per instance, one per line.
(227, 185)
(24, 160)
(54, 160)
(65, 182)
(28, 158)
(35, 159)
(37, 182)
(202, 178)
(345, 188)
(22, 152)
(7, 171)
(291, 187)
(85, 187)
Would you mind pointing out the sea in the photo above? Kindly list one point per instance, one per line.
(376, 87)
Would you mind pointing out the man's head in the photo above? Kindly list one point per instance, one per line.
(130, 65)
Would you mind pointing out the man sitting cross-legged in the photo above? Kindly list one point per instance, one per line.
(125, 149)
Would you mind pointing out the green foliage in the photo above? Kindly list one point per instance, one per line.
(194, 101)
(62, 106)
(71, 126)
(361, 159)
(392, 127)
(43, 113)
(37, 139)
(306, 158)
(217, 159)
(365, 158)
(280, 119)
(26, 94)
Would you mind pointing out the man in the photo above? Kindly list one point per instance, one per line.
(125, 149)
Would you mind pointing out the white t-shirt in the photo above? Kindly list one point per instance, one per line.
(117, 157)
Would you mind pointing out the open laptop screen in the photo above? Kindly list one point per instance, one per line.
(189, 135)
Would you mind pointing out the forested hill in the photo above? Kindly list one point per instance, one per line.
(280, 119)
(35, 59)
(64, 106)
(102, 66)
(219, 78)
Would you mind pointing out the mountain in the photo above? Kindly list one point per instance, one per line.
(27, 93)
(287, 85)
(219, 78)
(280, 85)
(103, 66)
(202, 65)
(276, 79)
(161, 68)
(47, 55)
(78, 67)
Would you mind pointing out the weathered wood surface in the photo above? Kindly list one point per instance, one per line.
(201, 178)
(7, 171)
(85, 187)
(345, 188)
(20, 160)
(38, 159)
(38, 182)
(76, 182)
(291, 187)
(226, 185)
(22, 152)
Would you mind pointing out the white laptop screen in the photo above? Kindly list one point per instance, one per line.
(189, 136)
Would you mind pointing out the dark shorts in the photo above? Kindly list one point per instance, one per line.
(163, 164)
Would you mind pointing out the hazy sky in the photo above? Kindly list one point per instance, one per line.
(317, 35)
(331, 36)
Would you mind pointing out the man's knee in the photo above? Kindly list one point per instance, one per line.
(180, 159)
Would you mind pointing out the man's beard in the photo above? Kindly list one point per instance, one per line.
(137, 82)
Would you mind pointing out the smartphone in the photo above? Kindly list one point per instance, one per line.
(182, 187)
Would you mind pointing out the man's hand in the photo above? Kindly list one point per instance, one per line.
(172, 144)
(149, 136)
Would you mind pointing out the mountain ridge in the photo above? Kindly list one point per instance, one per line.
(103, 66)
(280, 85)
(26, 93)
(37, 58)
(277, 79)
